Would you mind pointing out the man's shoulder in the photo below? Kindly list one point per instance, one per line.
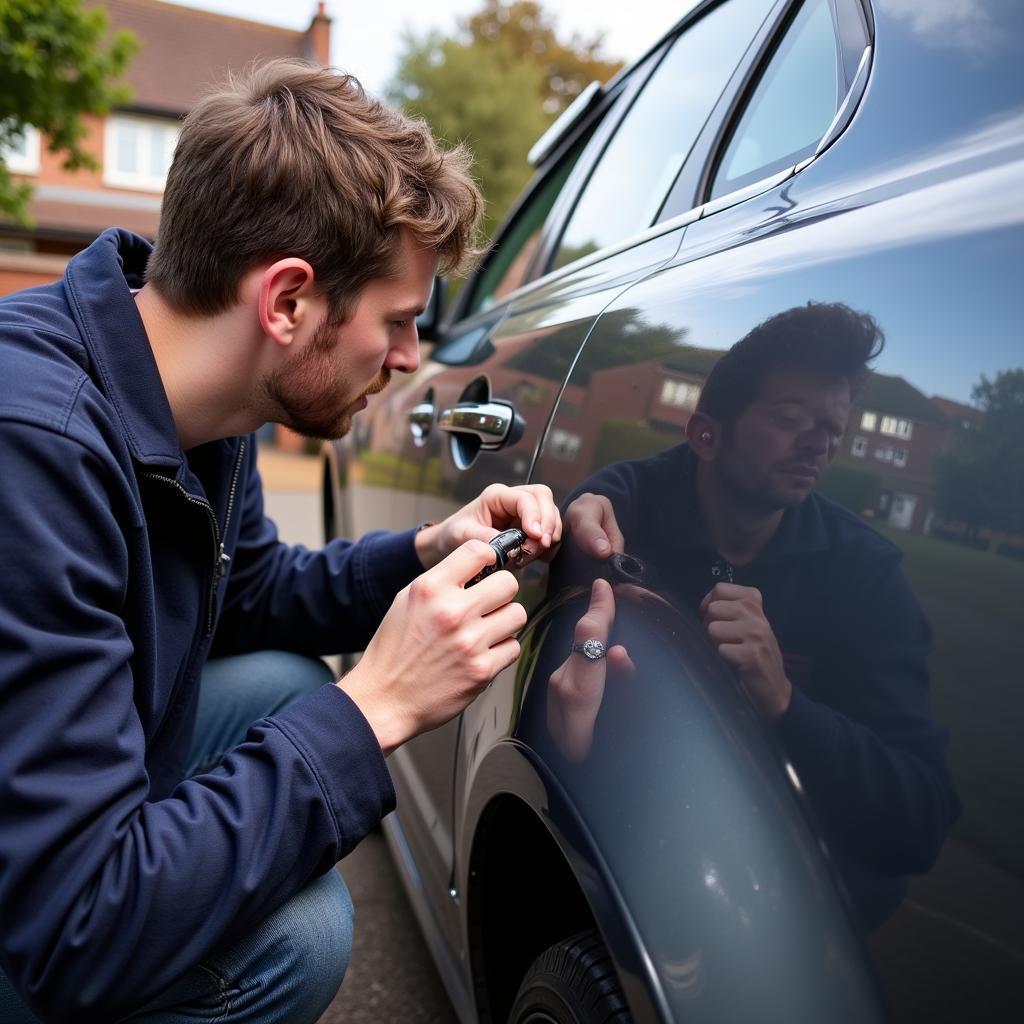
(46, 379)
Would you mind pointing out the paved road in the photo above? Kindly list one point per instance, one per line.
(391, 977)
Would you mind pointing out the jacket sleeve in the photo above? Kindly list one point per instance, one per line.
(315, 602)
(106, 896)
(871, 758)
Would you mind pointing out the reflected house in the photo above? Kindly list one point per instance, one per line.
(182, 51)
(884, 465)
(883, 469)
(640, 408)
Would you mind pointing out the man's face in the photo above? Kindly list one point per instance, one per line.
(325, 382)
(783, 441)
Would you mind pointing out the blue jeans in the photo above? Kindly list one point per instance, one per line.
(290, 966)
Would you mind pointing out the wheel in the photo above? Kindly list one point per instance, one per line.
(571, 982)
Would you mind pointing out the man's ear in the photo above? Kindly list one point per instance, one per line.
(284, 293)
(703, 434)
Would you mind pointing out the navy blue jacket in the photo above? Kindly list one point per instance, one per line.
(123, 562)
(855, 644)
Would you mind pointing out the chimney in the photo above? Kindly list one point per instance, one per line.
(317, 42)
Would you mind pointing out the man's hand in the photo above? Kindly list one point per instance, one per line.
(735, 622)
(593, 527)
(576, 687)
(438, 647)
(530, 507)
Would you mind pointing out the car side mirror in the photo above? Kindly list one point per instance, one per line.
(428, 323)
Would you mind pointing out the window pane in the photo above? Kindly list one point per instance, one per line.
(507, 266)
(793, 105)
(644, 158)
(127, 146)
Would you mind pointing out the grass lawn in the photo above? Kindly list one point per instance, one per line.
(975, 603)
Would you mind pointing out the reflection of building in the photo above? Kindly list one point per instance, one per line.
(182, 51)
(894, 434)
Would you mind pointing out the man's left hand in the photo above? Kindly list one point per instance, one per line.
(531, 508)
(735, 622)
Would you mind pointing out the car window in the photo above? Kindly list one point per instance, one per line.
(792, 106)
(507, 265)
(641, 162)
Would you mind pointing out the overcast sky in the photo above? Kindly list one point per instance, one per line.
(366, 36)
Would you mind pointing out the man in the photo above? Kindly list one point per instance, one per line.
(167, 848)
(802, 598)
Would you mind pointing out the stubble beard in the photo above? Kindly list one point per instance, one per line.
(305, 394)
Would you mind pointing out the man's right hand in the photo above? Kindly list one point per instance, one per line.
(591, 522)
(438, 647)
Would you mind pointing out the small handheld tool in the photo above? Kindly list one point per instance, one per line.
(507, 546)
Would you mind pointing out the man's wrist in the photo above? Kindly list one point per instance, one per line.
(427, 541)
(378, 715)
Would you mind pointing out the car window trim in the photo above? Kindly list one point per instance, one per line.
(694, 183)
(597, 114)
(589, 160)
(688, 186)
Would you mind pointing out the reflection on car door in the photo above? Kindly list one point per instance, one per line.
(922, 461)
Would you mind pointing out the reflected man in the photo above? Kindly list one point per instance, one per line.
(801, 597)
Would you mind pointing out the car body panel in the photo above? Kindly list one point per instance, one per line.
(685, 828)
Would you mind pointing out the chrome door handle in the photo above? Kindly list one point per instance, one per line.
(421, 419)
(493, 424)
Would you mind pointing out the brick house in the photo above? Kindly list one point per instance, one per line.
(182, 51)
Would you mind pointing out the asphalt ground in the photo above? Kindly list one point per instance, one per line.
(391, 977)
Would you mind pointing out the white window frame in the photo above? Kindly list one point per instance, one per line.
(25, 159)
(680, 394)
(869, 421)
(144, 181)
(900, 456)
(859, 448)
(884, 453)
(563, 444)
(895, 426)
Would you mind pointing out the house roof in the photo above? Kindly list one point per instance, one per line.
(897, 397)
(183, 50)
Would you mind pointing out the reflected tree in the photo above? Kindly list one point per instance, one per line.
(979, 482)
(625, 338)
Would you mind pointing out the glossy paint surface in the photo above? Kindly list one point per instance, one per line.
(705, 864)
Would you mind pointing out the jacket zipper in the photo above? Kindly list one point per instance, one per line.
(221, 558)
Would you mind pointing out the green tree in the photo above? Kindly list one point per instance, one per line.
(523, 27)
(56, 64)
(980, 480)
(496, 86)
(473, 94)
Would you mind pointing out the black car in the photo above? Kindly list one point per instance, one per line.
(675, 864)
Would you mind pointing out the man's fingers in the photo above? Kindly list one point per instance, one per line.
(463, 563)
(729, 592)
(727, 632)
(619, 659)
(538, 514)
(503, 623)
(596, 622)
(504, 654)
(594, 526)
(494, 591)
(724, 611)
(531, 505)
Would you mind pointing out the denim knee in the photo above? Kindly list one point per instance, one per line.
(289, 967)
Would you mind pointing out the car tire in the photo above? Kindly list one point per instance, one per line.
(571, 982)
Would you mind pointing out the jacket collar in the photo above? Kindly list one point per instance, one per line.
(98, 282)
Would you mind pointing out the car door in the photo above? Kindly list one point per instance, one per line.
(909, 212)
(513, 347)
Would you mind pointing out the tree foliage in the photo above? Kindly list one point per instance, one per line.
(980, 480)
(496, 86)
(56, 64)
(530, 34)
